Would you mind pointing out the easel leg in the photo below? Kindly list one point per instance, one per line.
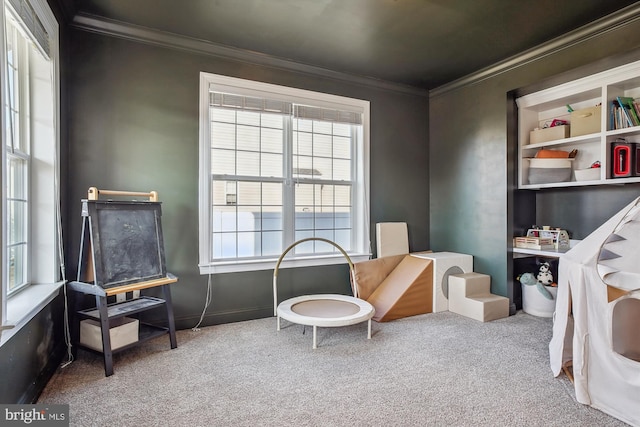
(170, 319)
(74, 321)
(101, 303)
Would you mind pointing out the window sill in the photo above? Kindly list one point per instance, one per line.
(23, 306)
(270, 264)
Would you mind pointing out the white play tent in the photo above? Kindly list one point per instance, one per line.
(597, 318)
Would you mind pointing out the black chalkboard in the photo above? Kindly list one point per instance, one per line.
(126, 238)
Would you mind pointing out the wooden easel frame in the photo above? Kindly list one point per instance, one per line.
(104, 312)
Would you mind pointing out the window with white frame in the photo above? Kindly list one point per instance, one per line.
(29, 201)
(278, 165)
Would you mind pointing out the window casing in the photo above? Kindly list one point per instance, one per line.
(278, 165)
(30, 266)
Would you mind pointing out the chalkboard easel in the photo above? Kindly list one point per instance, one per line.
(122, 253)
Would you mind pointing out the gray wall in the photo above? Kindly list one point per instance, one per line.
(133, 125)
(29, 358)
(474, 208)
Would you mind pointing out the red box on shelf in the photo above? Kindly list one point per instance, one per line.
(625, 159)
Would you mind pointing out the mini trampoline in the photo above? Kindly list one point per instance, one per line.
(325, 310)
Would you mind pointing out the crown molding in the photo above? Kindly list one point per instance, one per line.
(614, 21)
(113, 28)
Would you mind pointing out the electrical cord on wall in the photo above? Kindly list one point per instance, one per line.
(57, 201)
(67, 331)
(206, 304)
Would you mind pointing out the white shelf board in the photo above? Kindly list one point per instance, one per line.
(523, 252)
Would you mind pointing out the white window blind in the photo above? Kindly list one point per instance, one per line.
(28, 18)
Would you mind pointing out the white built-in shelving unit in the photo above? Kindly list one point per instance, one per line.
(597, 89)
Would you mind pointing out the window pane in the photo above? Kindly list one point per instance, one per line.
(16, 48)
(271, 165)
(304, 220)
(342, 195)
(342, 170)
(303, 125)
(272, 243)
(303, 167)
(221, 190)
(271, 194)
(223, 135)
(17, 258)
(343, 238)
(17, 211)
(274, 121)
(322, 247)
(343, 219)
(248, 118)
(248, 138)
(17, 185)
(322, 168)
(341, 147)
(272, 220)
(304, 247)
(304, 196)
(322, 145)
(324, 219)
(323, 195)
(322, 127)
(249, 218)
(17, 226)
(249, 193)
(222, 115)
(224, 245)
(223, 219)
(302, 144)
(248, 163)
(258, 209)
(342, 129)
(271, 140)
(223, 162)
(249, 244)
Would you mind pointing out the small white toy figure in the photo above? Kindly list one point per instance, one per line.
(544, 275)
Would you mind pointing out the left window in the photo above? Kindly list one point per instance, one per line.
(30, 194)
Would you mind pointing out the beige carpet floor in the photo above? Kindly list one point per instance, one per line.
(437, 369)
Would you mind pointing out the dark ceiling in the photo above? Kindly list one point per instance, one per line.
(421, 43)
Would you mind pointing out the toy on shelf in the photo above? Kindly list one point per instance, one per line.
(544, 238)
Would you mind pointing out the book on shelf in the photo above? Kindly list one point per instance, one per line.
(636, 107)
(613, 115)
(624, 112)
(626, 103)
(618, 116)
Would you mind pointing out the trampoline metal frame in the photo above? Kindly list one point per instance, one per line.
(284, 310)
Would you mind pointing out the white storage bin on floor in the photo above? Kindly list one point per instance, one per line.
(534, 303)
